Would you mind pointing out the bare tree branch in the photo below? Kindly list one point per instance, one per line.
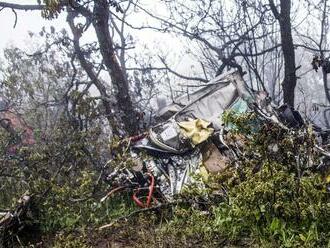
(180, 75)
(25, 7)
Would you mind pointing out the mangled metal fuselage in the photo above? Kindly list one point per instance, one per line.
(191, 134)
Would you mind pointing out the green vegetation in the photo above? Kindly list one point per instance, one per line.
(275, 198)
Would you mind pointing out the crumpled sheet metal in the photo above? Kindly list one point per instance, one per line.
(207, 104)
(168, 137)
(176, 143)
(207, 90)
(174, 172)
(217, 97)
(196, 130)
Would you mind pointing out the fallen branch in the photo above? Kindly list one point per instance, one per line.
(14, 221)
(111, 193)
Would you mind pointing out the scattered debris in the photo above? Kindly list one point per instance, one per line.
(191, 138)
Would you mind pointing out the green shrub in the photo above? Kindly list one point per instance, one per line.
(273, 194)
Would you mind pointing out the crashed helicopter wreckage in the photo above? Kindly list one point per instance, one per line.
(191, 139)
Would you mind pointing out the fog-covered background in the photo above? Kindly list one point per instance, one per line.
(164, 48)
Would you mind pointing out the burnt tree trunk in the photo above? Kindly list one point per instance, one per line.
(118, 77)
(290, 78)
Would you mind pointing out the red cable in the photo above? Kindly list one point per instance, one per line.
(137, 200)
(151, 191)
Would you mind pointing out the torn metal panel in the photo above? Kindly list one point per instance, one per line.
(208, 91)
(174, 146)
(175, 171)
(206, 104)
